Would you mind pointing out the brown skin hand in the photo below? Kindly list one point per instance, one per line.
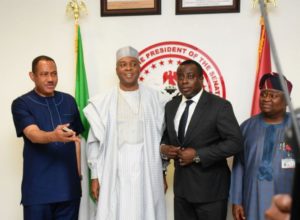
(186, 156)
(238, 212)
(170, 151)
(280, 208)
(95, 188)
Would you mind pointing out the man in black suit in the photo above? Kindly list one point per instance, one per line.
(201, 132)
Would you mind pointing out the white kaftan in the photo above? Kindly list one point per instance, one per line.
(137, 159)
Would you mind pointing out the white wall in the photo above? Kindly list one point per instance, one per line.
(33, 27)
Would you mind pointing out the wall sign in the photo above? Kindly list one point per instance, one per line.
(159, 63)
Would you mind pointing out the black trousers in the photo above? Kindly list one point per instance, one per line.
(184, 210)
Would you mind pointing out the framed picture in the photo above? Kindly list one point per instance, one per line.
(130, 7)
(206, 6)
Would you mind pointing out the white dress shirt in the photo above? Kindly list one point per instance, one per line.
(181, 108)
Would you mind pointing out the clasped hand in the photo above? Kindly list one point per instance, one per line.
(185, 155)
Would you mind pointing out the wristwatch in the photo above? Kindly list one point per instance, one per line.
(196, 159)
(164, 157)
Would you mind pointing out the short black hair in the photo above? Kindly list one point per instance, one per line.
(199, 67)
(38, 59)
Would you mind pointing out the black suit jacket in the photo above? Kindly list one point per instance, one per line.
(215, 134)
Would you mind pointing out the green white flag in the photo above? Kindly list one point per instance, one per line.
(81, 90)
(87, 205)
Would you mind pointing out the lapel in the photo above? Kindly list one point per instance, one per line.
(172, 113)
(197, 115)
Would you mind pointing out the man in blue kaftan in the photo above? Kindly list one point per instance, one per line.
(266, 165)
(51, 176)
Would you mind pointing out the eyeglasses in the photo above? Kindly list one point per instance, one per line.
(130, 64)
(270, 94)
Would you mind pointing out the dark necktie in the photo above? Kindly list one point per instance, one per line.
(183, 121)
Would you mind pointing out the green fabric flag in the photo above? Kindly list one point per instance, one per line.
(81, 90)
(87, 204)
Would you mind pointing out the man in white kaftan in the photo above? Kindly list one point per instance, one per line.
(123, 146)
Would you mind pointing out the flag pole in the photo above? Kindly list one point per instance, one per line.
(263, 65)
(295, 214)
(87, 206)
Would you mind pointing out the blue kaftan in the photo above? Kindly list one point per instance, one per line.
(49, 170)
(257, 171)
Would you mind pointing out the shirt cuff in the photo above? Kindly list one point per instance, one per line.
(94, 173)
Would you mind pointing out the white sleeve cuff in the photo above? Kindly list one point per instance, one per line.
(94, 173)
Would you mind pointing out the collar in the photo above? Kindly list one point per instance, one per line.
(195, 98)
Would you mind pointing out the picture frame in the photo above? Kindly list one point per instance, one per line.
(207, 6)
(130, 7)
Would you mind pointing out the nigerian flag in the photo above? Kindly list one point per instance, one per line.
(87, 205)
(81, 90)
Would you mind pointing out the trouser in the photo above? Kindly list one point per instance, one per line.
(67, 210)
(184, 210)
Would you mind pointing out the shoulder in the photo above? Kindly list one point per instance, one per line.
(215, 102)
(64, 95)
(151, 93)
(148, 91)
(251, 121)
(215, 98)
(146, 88)
(174, 101)
(101, 105)
(22, 99)
(102, 97)
(102, 101)
(65, 99)
(26, 95)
